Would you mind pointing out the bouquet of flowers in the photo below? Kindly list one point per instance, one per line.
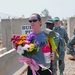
(25, 45)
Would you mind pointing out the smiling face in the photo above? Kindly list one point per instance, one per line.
(35, 23)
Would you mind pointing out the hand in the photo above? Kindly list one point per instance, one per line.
(28, 62)
(52, 56)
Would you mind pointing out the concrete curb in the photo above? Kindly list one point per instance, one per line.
(22, 70)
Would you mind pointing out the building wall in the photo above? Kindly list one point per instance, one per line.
(0, 28)
(13, 26)
(0, 33)
(6, 32)
(70, 26)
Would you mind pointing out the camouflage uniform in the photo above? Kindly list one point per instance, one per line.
(60, 49)
(70, 46)
(60, 46)
(74, 32)
(61, 30)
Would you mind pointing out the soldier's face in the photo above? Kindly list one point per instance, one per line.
(50, 26)
(57, 23)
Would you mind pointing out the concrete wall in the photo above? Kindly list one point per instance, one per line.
(0, 28)
(6, 33)
(13, 26)
(3, 50)
(70, 26)
(9, 63)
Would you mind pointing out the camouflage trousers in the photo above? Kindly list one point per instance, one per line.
(58, 64)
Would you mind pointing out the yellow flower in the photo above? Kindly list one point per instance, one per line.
(22, 39)
(32, 46)
(20, 42)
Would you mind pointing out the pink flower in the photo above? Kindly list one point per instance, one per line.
(46, 49)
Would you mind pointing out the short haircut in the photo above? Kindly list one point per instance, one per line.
(38, 16)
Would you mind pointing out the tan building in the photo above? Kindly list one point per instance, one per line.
(16, 26)
(0, 32)
(70, 26)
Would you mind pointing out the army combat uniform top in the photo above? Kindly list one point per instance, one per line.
(70, 46)
(61, 30)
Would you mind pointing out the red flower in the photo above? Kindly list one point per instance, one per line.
(46, 49)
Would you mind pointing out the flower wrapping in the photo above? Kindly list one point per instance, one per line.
(34, 67)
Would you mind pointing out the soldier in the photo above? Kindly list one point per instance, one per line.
(61, 30)
(70, 56)
(59, 42)
(71, 48)
(74, 31)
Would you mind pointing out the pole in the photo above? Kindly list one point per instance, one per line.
(51, 64)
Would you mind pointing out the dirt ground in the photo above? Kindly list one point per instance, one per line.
(69, 66)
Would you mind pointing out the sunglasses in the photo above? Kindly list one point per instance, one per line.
(35, 20)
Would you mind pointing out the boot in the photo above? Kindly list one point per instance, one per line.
(61, 73)
(55, 73)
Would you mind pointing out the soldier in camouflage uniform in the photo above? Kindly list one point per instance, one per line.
(61, 30)
(71, 46)
(74, 31)
(59, 42)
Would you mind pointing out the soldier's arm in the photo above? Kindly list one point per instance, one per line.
(70, 46)
(61, 48)
(66, 36)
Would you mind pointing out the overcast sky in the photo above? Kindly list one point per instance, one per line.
(60, 8)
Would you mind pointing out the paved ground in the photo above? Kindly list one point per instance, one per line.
(69, 67)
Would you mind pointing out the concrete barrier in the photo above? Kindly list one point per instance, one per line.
(22, 71)
(9, 63)
(3, 50)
